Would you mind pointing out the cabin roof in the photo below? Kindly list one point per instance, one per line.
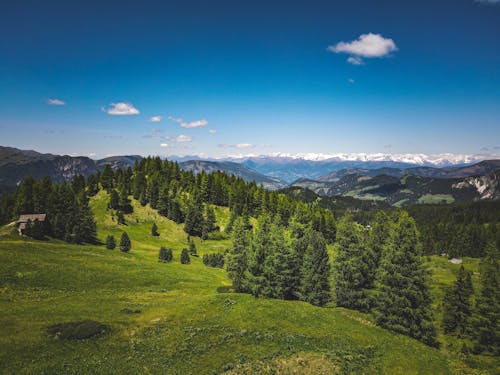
(32, 217)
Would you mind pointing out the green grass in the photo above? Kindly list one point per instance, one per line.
(436, 198)
(187, 323)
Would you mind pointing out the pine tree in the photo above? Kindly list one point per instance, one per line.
(124, 202)
(352, 266)
(107, 177)
(185, 256)
(379, 234)
(486, 318)
(237, 261)
(154, 230)
(192, 249)
(403, 302)
(125, 244)
(457, 304)
(315, 287)
(114, 200)
(120, 218)
(110, 242)
(260, 251)
(165, 255)
(194, 219)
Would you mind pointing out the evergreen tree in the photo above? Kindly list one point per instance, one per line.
(237, 261)
(260, 250)
(110, 242)
(165, 255)
(457, 304)
(315, 287)
(404, 303)
(114, 200)
(107, 177)
(125, 244)
(194, 219)
(154, 230)
(352, 266)
(120, 218)
(185, 256)
(192, 249)
(124, 202)
(486, 318)
(379, 234)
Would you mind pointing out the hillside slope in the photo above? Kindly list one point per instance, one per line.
(188, 322)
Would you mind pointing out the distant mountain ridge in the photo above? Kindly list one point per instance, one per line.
(393, 182)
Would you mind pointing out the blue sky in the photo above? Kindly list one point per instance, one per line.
(234, 77)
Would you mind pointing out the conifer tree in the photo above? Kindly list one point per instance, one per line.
(403, 302)
(114, 200)
(124, 202)
(120, 217)
(110, 242)
(107, 177)
(192, 249)
(165, 254)
(486, 318)
(237, 262)
(457, 304)
(379, 234)
(261, 249)
(154, 230)
(125, 244)
(352, 266)
(315, 287)
(185, 256)
(194, 219)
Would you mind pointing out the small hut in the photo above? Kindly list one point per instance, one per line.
(23, 220)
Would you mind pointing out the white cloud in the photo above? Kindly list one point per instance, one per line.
(183, 138)
(164, 145)
(155, 119)
(189, 124)
(488, 1)
(354, 60)
(121, 109)
(212, 131)
(351, 81)
(367, 45)
(55, 102)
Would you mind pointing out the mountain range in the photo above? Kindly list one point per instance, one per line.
(393, 179)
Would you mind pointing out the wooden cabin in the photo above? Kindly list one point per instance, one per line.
(23, 220)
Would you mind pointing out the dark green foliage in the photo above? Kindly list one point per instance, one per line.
(237, 259)
(154, 230)
(192, 249)
(124, 202)
(315, 271)
(83, 330)
(194, 219)
(110, 242)
(457, 304)
(165, 254)
(403, 301)
(125, 244)
(120, 218)
(107, 176)
(114, 200)
(213, 260)
(353, 267)
(34, 229)
(486, 319)
(185, 256)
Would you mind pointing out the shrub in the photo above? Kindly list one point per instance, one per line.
(213, 260)
(110, 242)
(165, 255)
(125, 245)
(185, 256)
(154, 230)
(77, 330)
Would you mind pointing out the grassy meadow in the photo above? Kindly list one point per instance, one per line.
(189, 321)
